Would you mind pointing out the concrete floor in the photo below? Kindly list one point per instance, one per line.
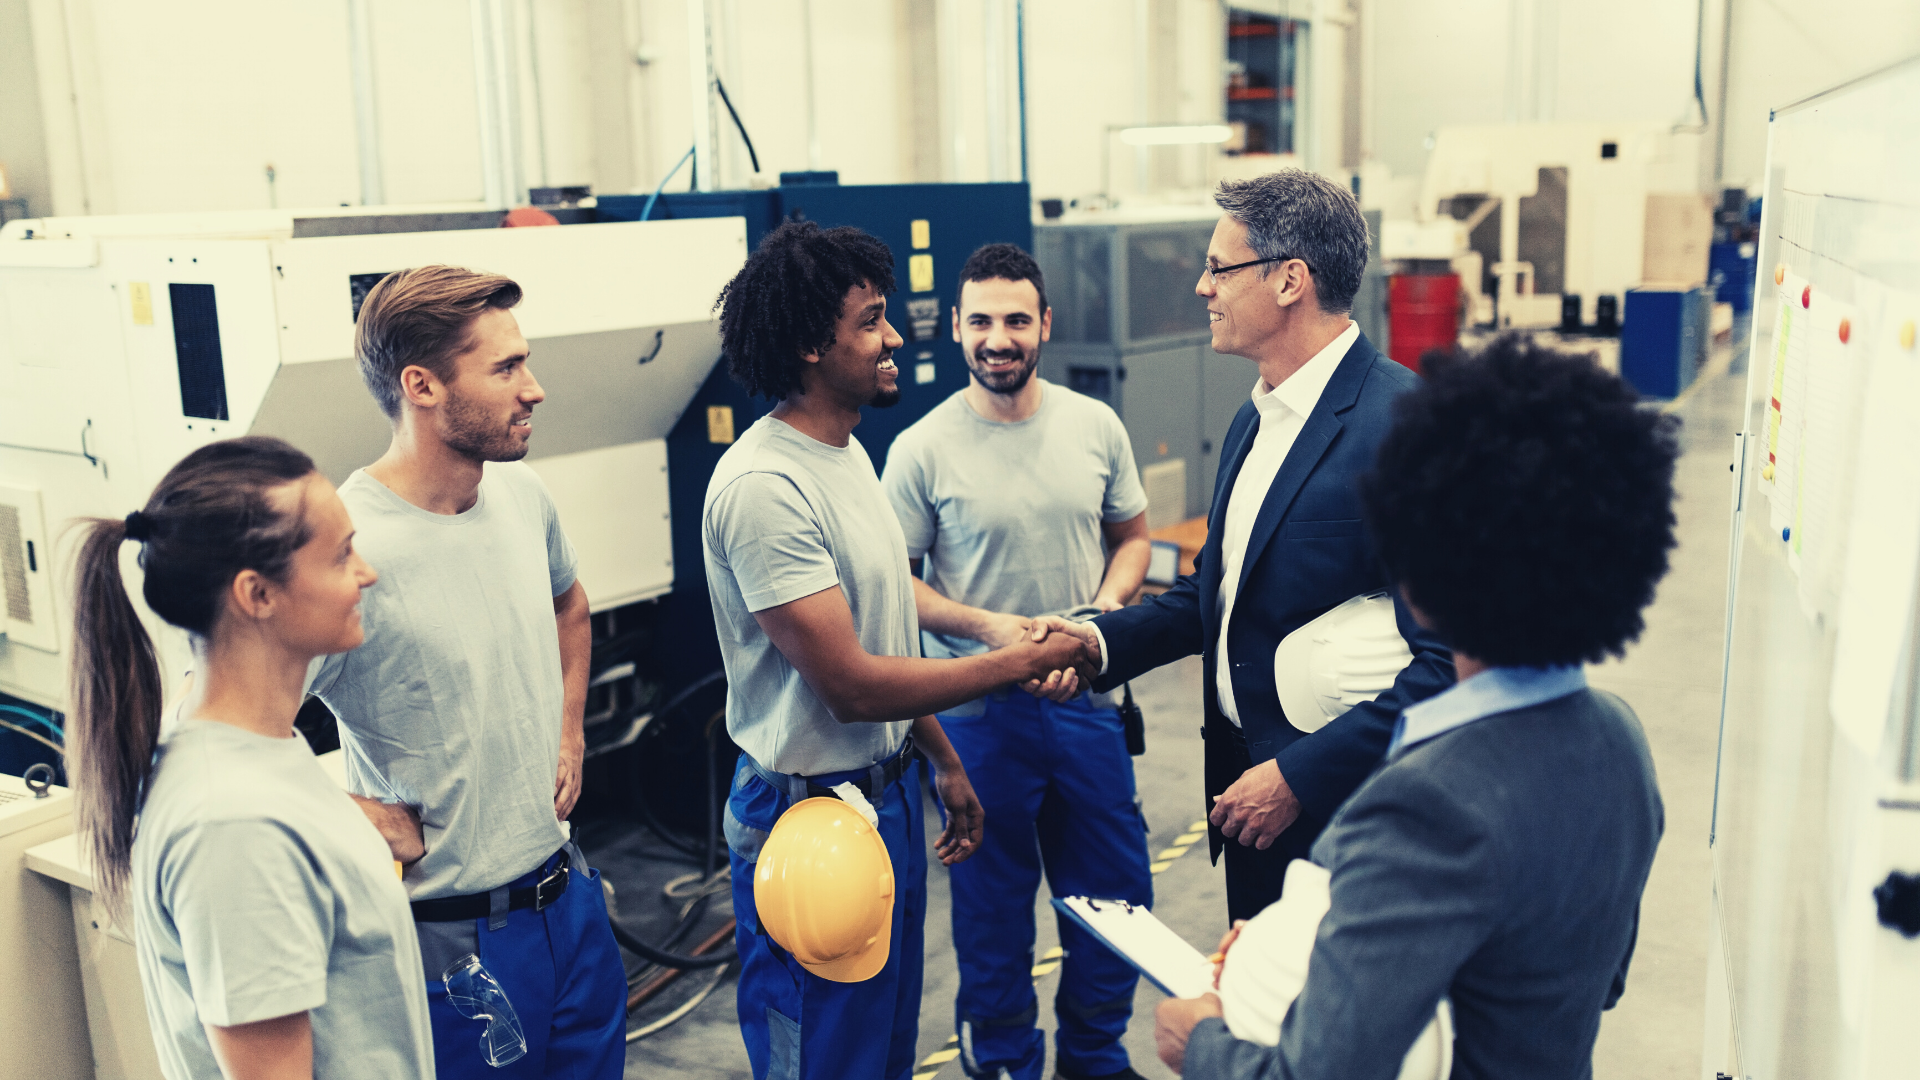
(1671, 678)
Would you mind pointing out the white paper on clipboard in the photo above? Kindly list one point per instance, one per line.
(1163, 956)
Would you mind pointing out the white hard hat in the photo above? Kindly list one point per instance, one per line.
(1266, 969)
(1350, 654)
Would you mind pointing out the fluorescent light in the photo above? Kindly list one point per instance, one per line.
(1175, 135)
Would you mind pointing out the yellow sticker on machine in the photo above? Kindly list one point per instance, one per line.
(142, 298)
(920, 273)
(922, 234)
(719, 423)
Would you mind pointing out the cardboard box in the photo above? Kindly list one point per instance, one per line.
(1679, 235)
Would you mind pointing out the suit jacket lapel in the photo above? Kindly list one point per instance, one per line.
(1321, 428)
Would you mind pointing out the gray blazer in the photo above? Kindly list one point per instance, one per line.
(1499, 864)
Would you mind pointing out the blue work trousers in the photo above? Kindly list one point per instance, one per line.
(562, 973)
(1056, 783)
(797, 1025)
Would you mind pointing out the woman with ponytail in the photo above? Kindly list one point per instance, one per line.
(274, 937)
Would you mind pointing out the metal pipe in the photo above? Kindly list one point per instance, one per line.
(366, 113)
(813, 106)
(1020, 70)
(700, 88)
(513, 166)
(539, 98)
(993, 41)
(486, 104)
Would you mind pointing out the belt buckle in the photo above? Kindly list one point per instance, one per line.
(542, 899)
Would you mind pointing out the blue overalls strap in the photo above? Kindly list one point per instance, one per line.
(794, 787)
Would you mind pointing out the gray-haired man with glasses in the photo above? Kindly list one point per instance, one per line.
(1284, 542)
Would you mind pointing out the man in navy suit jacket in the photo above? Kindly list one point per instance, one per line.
(1284, 539)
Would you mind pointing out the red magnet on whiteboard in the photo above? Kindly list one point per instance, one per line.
(1780, 274)
(1846, 330)
(1806, 297)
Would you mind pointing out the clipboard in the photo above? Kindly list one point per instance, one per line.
(1136, 936)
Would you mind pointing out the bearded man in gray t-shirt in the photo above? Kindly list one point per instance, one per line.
(813, 602)
(1022, 497)
(461, 716)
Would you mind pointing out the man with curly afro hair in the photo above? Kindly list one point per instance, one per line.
(814, 605)
(1523, 505)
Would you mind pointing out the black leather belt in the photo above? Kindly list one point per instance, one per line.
(540, 896)
(879, 777)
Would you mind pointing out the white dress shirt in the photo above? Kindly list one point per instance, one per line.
(1283, 413)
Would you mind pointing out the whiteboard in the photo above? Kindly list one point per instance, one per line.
(1815, 798)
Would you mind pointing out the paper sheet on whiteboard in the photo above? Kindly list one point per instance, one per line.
(1877, 598)
(1145, 942)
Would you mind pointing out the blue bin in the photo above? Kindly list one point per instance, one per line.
(1663, 338)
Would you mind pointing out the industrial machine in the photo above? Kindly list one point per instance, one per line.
(1129, 330)
(127, 342)
(1529, 213)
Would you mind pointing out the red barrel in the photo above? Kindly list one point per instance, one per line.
(1423, 312)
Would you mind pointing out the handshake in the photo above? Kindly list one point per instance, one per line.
(1064, 657)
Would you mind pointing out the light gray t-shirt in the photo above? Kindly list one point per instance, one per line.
(1008, 516)
(453, 704)
(260, 890)
(788, 516)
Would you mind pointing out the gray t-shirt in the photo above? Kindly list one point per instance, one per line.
(453, 704)
(788, 516)
(1008, 516)
(260, 890)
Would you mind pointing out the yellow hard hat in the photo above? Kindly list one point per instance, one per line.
(824, 890)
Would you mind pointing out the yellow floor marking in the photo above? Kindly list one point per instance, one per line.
(1054, 953)
(1043, 969)
(1192, 837)
(928, 1075)
(940, 1057)
(1159, 866)
(1175, 852)
(1198, 826)
(953, 1040)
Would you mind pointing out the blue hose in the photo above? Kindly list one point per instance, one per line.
(647, 211)
(36, 718)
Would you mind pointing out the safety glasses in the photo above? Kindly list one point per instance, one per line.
(472, 990)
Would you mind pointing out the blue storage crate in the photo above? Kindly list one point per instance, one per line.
(1730, 269)
(1663, 338)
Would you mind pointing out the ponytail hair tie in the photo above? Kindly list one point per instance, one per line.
(139, 526)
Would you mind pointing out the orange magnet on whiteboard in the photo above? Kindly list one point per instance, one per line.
(1846, 330)
(1806, 297)
(1766, 473)
(1780, 274)
(1906, 334)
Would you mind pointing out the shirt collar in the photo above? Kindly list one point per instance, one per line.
(1493, 691)
(1301, 391)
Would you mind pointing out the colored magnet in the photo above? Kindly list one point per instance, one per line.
(1806, 297)
(1786, 533)
(1846, 330)
(1906, 334)
(1780, 274)
(1766, 472)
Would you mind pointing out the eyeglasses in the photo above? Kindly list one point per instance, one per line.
(1214, 272)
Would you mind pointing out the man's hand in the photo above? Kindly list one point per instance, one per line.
(1063, 684)
(1257, 808)
(1174, 1021)
(566, 785)
(965, 819)
(1001, 631)
(399, 826)
(1226, 942)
